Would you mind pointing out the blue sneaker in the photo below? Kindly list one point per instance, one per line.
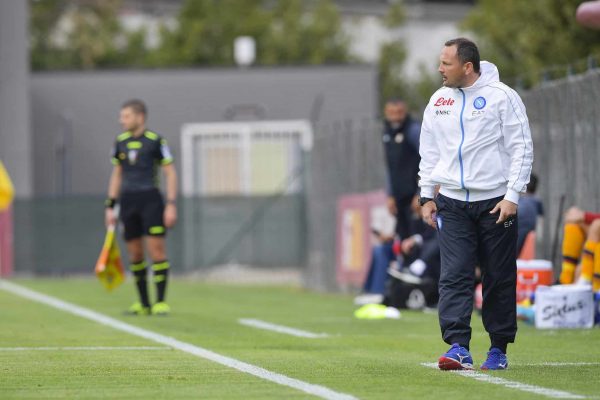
(496, 360)
(456, 358)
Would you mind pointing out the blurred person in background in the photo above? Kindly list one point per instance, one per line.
(581, 242)
(419, 252)
(414, 284)
(401, 146)
(411, 272)
(137, 154)
(530, 210)
(382, 255)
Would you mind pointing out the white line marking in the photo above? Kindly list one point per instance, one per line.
(542, 364)
(557, 364)
(83, 348)
(478, 376)
(316, 390)
(256, 323)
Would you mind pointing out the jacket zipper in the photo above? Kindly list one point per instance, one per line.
(462, 140)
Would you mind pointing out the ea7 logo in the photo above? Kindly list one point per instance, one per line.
(508, 223)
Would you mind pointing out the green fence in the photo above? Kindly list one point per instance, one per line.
(62, 236)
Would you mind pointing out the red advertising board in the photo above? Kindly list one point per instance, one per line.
(6, 242)
(356, 214)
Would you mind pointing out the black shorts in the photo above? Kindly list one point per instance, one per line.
(142, 214)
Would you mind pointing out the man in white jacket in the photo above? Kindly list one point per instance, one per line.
(476, 146)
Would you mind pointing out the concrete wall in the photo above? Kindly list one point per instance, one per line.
(75, 121)
(75, 114)
(15, 136)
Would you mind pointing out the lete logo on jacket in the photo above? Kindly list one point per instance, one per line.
(444, 102)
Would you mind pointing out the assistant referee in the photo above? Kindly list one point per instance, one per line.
(138, 156)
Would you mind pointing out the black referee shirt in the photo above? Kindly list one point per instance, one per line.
(140, 159)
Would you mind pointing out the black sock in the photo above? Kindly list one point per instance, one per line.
(499, 345)
(161, 273)
(466, 346)
(140, 272)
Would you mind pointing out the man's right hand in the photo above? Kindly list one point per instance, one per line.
(391, 204)
(109, 217)
(428, 211)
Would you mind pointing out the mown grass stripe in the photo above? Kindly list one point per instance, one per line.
(316, 390)
(83, 348)
(557, 364)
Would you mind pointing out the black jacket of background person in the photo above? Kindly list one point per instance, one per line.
(401, 146)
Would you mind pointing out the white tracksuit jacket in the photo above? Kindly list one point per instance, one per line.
(475, 142)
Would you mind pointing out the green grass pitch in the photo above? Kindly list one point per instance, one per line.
(379, 359)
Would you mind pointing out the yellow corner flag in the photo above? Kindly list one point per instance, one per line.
(109, 268)
(7, 190)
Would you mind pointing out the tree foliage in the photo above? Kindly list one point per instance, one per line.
(391, 81)
(528, 39)
(287, 32)
(80, 35)
(86, 34)
(392, 55)
(44, 15)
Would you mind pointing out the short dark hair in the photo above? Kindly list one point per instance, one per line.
(394, 100)
(532, 185)
(467, 51)
(137, 105)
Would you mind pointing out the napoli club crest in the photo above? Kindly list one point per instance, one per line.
(479, 103)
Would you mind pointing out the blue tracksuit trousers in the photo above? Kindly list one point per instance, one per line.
(470, 237)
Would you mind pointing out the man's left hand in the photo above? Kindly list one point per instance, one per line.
(170, 215)
(506, 208)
